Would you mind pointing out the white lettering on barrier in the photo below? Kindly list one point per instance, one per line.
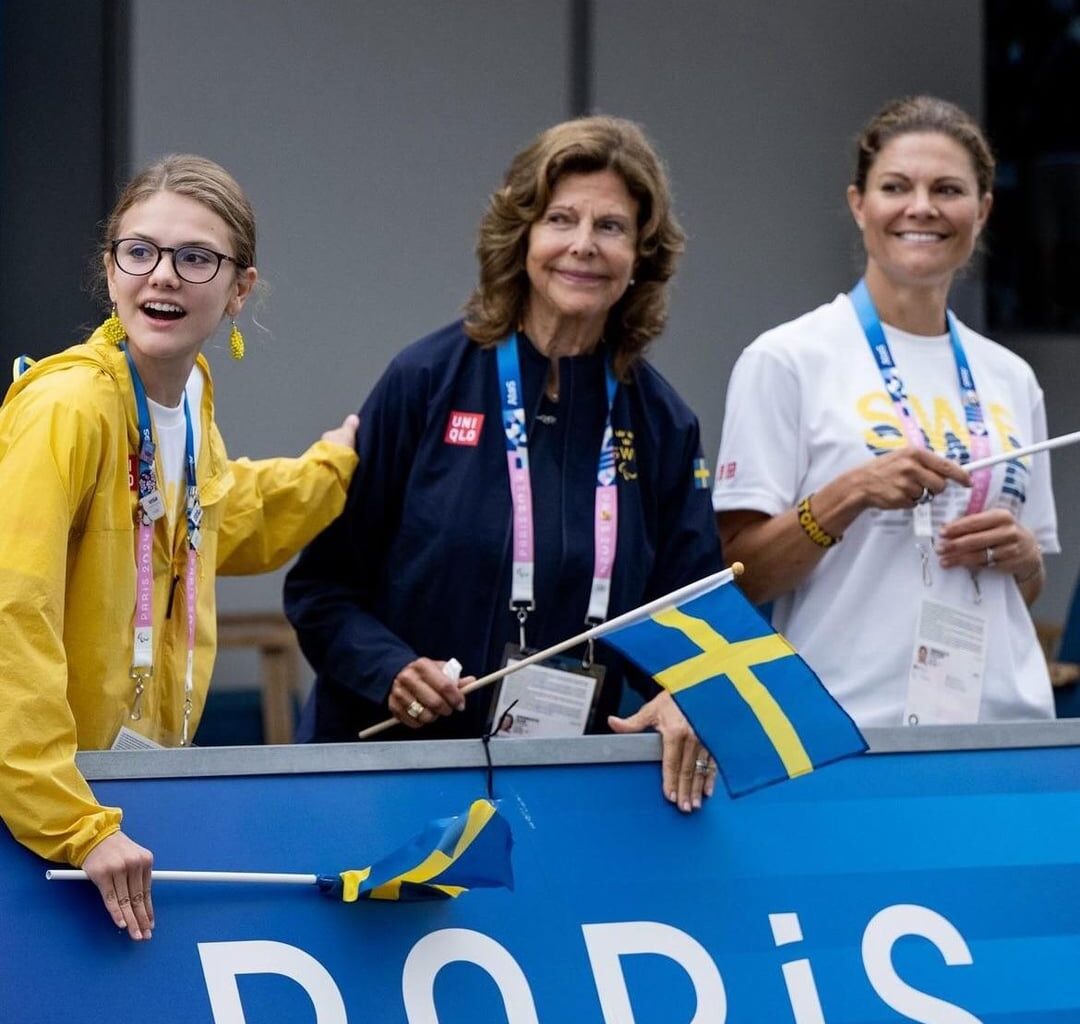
(881, 934)
(223, 961)
(798, 977)
(606, 943)
(449, 945)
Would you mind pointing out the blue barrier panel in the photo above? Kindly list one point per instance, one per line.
(936, 886)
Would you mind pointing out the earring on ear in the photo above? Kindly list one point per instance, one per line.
(633, 281)
(236, 343)
(112, 329)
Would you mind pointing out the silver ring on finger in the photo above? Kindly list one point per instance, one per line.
(927, 495)
(701, 766)
(989, 558)
(415, 709)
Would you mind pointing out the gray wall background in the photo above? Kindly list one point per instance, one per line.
(369, 135)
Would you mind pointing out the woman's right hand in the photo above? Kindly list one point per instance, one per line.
(777, 552)
(899, 479)
(425, 682)
(120, 869)
(346, 433)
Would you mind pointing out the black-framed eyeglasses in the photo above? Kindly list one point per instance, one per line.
(192, 263)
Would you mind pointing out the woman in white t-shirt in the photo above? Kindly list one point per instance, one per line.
(854, 421)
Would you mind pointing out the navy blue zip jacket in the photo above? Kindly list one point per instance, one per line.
(418, 564)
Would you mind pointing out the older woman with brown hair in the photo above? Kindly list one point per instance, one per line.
(522, 471)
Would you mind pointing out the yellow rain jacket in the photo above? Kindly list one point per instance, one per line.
(67, 579)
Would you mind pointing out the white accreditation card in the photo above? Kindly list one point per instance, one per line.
(948, 661)
(554, 698)
(129, 739)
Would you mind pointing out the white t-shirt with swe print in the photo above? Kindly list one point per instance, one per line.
(806, 403)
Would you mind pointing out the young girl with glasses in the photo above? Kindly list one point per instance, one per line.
(120, 507)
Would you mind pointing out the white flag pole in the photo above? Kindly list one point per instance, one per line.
(1019, 453)
(644, 611)
(262, 877)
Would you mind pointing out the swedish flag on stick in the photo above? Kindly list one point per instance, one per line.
(449, 857)
(759, 708)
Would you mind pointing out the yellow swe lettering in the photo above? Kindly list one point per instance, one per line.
(945, 422)
(876, 408)
(1004, 427)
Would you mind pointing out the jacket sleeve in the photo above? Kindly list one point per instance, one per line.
(334, 592)
(688, 547)
(687, 544)
(276, 506)
(49, 453)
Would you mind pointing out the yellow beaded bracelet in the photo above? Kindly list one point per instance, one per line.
(811, 527)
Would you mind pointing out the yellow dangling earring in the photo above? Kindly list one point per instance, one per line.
(236, 343)
(112, 330)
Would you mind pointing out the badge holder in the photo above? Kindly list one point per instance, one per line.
(923, 524)
(948, 662)
(129, 739)
(554, 699)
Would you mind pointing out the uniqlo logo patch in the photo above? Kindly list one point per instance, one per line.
(464, 428)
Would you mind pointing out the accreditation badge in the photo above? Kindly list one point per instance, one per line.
(554, 698)
(129, 739)
(948, 661)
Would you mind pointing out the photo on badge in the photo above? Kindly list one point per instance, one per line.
(553, 699)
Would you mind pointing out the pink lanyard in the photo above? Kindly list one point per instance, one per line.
(894, 386)
(605, 505)
(151, 507)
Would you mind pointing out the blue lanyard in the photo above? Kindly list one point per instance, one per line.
(152, 508)
(515, 432)
(147, 483)
(894, 384)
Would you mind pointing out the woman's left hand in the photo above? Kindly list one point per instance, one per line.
(689, 772)
(992, 539)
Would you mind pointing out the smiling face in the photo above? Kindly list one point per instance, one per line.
(582, 251)
(920, 213)
(167, 319)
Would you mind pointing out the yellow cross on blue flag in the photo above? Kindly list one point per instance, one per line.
(759, 708)
(449, 857)
(701, 475)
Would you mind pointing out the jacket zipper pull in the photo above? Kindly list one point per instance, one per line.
(172, 596)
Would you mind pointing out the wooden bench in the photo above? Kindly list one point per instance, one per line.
(1062, 673)
(270, 634)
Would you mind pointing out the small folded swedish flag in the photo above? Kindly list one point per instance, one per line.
(759, 708)
(449, 857)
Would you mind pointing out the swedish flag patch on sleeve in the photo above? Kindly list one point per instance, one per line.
(701, 475)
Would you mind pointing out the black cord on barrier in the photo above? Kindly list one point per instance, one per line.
(486, 739)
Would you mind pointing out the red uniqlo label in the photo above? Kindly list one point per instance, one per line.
(464, 428)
